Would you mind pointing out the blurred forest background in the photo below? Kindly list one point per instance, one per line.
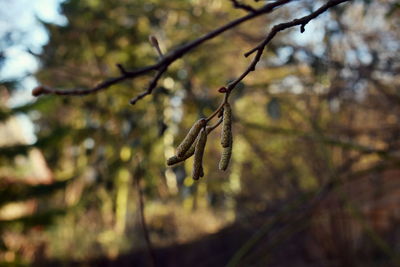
(315, 174)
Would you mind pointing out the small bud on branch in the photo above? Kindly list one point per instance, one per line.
(154, 42)
(223, 90)
(39, 90)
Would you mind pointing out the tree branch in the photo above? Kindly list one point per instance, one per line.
(103, 85)
(245, 7)
(302, 22)
(151, 87)
(164, 63)
(277, 28)
(171, 57)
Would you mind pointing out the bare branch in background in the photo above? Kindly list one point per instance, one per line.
(136, 178)
(166, 60)
(151, 87)
(277, 28)
(245, 7)
(171, 57)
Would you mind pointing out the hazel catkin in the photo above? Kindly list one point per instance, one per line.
(190, 138)
(225, 158)
(175, 159)
(202, 172)
(198, 156)
(226, 134)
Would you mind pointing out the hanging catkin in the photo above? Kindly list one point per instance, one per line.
(225, 158)
(190, 138)
(226, 134)
(198, 156)
(175, 159)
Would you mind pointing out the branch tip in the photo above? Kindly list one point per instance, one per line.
(302, 27)
(121, 69)
(39, 90)
(245, 7)
(222, 90)
(153, 40)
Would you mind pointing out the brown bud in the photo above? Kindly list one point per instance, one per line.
(37, 91)
(198, 156)
(223, 90)
(226, 134)
(190, 137)
(153, 40)
(225, 158)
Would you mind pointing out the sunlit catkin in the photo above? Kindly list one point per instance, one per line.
(226, 134)
(190, 138)
(175, 159)
(198, 156)
(225, 158)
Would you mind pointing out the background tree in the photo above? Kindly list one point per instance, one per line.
(315, 136)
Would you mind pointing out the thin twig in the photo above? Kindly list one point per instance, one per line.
(103, 85)
(215, 113)
(151, 87)
(260, 48)
(212, 127)
(136, 178)
(160, 53)
(121, 69)
(280, 27)
(296, 22)
(245, 7)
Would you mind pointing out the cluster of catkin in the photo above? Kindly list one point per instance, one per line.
(195, 141)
